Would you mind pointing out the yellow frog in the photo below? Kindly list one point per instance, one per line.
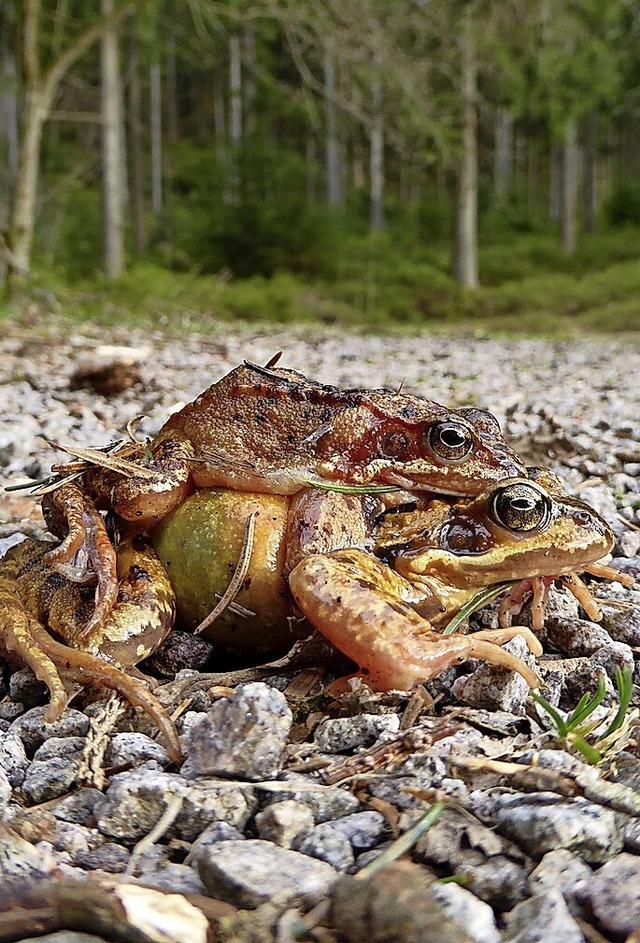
(384, 610)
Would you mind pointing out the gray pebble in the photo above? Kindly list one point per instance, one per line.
(563, 871)
(5, 789)
(327, 844)
(108, 857)
(543, 822)
(134, 749)
(628, 543)
(496, 688)
(613, 894)
(363, 829)
(623, 625)
(282, 822)
(341, 734)
(78, 806)
(26, 689)
(13, 757)
(326, 802)
(172, 877)
(33, 731)
(577, 636)
(53, 770)
(136, 800)
(255, 872)
(243, 736)
(463, 908)
(544, 918)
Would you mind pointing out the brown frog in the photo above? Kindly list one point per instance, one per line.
(270, 430)
(385, 612)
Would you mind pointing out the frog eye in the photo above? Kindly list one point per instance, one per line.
(520, 507)
(450, 440)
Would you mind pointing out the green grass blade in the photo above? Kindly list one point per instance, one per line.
(476, 602)
(624, 684)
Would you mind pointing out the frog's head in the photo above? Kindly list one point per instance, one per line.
(520, 529)
(415, 444)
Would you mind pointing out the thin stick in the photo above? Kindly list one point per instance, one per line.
(238, 578)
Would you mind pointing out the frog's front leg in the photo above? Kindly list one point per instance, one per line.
(366, 610)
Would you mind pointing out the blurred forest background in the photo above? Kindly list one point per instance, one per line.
(363, 162)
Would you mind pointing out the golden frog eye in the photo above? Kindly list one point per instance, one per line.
(449, 440)
(520, 507)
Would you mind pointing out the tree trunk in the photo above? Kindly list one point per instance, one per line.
(332, 153)
(136, 150)
(235, 89)
(112, 178)
(311, 158)
(376, 161)
(155, 107)
(590, 173)
(502, 155)
(569, 187)
(465, 258)
(555, 177)
(232, 191)
(171, 92)
(37, 93)
(8, 137)
(248, 47)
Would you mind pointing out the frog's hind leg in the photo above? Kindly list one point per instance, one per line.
(364, 608)
(82, 668)
(17, 628)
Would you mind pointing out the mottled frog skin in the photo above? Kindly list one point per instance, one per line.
(270, 430)
(382, 601)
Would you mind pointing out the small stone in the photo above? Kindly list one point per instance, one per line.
(33, 730)
(172, 877)
(241, 737)
(613, 894)
(544, 918)
(79, 806)
(563, 871)
(282, 822)
(628, 544)
(255, 872)
(495, 688)
(13, 757)
(326, 802)
(623, 625)
(134, 749)
(53, 770)
(108, 857)
(470, 914)
(136, 800)
(342, 734)
(543, 821)
(363, 829)
(327, 844)
(180, 651)
(577, 636)
(5, 789)
(26, 689)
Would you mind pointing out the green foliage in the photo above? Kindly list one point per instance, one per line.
(251, 220)
(623, 205)
(577, 727)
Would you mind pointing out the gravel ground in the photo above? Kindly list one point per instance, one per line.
(271, 817)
